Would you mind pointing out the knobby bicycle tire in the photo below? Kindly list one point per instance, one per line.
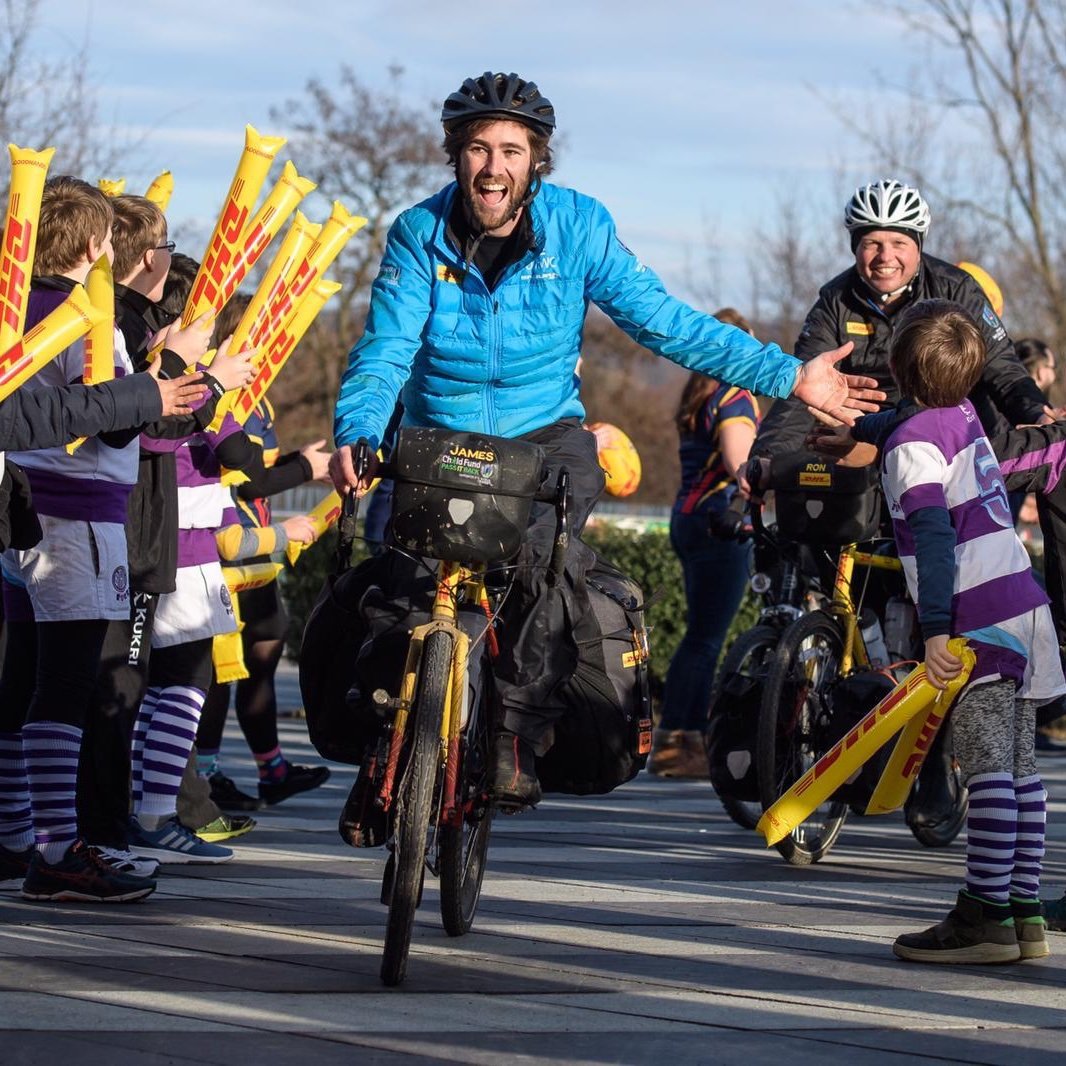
(751, 653)
(463, 848)
(790, 724)
(415, 802)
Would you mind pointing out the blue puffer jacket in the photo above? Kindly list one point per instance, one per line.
(502, 362)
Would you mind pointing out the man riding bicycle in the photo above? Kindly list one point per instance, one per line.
(475, 321)
(887, 222)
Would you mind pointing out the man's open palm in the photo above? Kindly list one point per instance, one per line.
(844, 396)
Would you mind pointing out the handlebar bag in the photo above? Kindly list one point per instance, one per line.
(819, 502)
(464, 497)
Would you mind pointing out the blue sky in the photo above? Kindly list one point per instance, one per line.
(684, 118)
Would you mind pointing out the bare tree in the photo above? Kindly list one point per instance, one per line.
(985, 140)
(377, 153)
(49, 101)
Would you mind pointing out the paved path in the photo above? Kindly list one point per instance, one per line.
(641, 927)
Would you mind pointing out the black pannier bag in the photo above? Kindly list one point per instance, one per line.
(464, 497)
(848, 702)
(356, 641)
(604, 737)
(732, 730)
(821, 503)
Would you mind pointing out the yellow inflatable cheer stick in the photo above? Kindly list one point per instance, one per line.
(112, 186)
(276, 280)
(28, 171)
(339, 228)
(282, 347)
(161, 190)
(227, 649)
(72, 319)
(909, 698)
(910, 751)
(288, 191)
(100, 340)
(323, 516)
(252, 169)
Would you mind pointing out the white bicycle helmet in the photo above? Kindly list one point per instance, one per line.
(886, 204)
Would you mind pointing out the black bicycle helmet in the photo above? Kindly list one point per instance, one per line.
(499, 95)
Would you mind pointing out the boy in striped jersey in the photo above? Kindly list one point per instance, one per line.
(970, 576)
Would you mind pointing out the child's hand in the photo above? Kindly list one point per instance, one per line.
(233, 371)
(178, 394)
(318, 458)
(836, 442)
(299, 528)
(940, 665)
(192, 342)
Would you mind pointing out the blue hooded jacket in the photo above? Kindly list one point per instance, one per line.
(503, 362)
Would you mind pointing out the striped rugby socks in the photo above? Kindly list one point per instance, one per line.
(51, 751)
(991, 836)
(1029, 850)
(167, 725)
(16, 822)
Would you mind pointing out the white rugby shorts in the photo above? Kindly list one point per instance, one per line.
(79, 571)
(200, 607)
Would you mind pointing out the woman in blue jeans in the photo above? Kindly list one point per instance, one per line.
(717, 424)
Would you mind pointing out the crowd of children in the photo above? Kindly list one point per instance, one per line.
(113, 586)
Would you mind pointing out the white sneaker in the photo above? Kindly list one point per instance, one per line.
(125, 861)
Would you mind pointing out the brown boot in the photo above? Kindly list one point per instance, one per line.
(678, 753)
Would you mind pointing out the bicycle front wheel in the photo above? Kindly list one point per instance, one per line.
(793, 722)
(414, 802)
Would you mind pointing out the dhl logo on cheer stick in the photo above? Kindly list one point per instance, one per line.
(28, 171)
(161, 190)
(276, 280)
(278, 277)
(898, 776)
(252, 169)
(72, 319)
(909, 698)
(251, 576)
(339, 228)
(112, 186)
(281, 347)
(288, 191)
(323, 516)
(100, 340)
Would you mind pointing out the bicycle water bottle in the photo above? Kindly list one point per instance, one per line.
(873, 638)
(899, 628)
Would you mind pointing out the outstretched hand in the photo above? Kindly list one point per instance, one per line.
(844, 397)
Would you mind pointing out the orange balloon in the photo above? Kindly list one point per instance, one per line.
(618, 458)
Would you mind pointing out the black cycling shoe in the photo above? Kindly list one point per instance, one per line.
(514, 778)
(296, 779)
(226, 794)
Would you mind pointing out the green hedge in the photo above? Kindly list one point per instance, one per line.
(647, 557)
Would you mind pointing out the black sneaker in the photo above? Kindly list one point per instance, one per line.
(974, 931)
(362, 824)
(296, 779)
(14, 864)
(514, 779)
(82, 877)
(226, 794)
(1030, 927)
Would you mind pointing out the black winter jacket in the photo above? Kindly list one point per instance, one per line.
(846, 311)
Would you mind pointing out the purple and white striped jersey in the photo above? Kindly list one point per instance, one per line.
(940, 458)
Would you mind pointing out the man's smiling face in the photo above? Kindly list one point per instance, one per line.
(887, 260)
(494, 174)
